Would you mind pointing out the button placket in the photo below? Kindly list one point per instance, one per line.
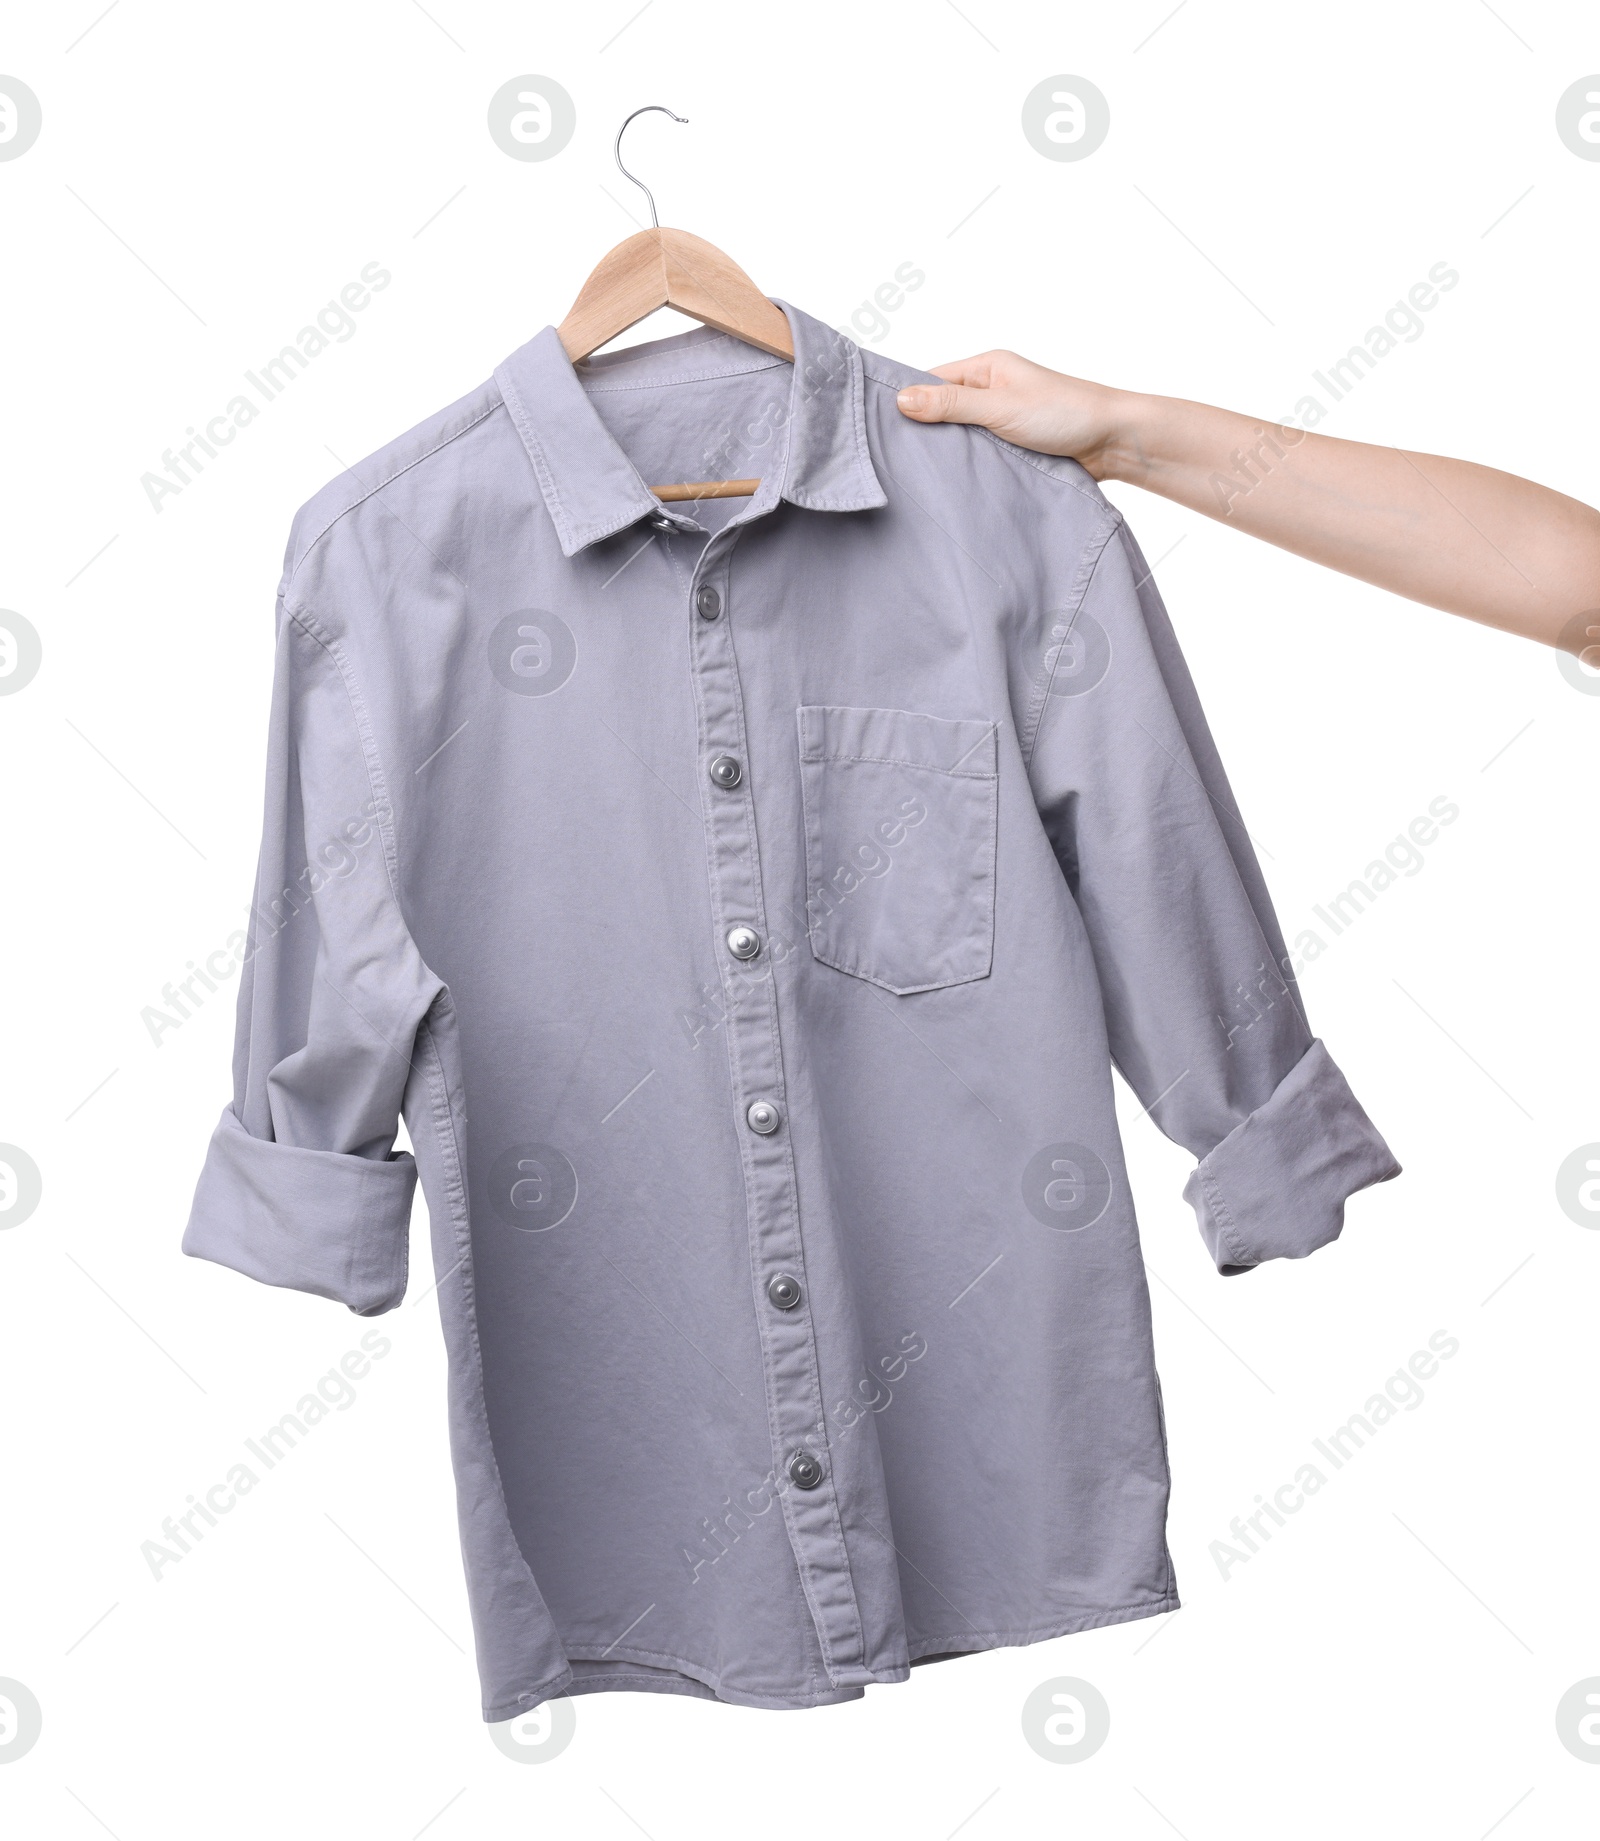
(794, 1393)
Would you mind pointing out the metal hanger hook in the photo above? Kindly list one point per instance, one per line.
(649, 108)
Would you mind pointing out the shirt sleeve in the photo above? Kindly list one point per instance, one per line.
(302, 1185)
(1204, 1019)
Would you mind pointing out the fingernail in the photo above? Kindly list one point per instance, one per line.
(909, 399)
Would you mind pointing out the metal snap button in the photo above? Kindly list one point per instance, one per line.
(783, 1291)
(762, 1117)
(726, 771)
(743, 942)
(708, 603)
(805, 1471)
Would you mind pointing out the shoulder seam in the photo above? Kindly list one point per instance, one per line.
(388, 480)
(1017, 453)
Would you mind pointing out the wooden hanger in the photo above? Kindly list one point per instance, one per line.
(670, 268)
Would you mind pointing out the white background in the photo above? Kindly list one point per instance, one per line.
(206, 179)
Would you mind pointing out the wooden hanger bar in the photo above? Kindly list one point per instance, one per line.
(707, 489)
(670, 268)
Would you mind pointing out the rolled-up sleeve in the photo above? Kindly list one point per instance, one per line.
(1276, 1186)
(1202, 1011)
(302, 1186)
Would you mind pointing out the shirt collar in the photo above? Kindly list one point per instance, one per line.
(820, 460)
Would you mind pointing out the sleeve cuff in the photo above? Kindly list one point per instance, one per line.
(1275, 1187)
(327, 1222)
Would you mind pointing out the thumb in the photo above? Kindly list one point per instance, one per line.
(945, 403)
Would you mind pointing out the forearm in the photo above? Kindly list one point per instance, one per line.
(1457, 536)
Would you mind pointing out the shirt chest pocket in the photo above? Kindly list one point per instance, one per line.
(900, 817)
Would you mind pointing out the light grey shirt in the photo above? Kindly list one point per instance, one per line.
(745, 904)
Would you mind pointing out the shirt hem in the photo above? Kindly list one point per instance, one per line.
(969, 1642)
(643, 1671)
(551, 1689)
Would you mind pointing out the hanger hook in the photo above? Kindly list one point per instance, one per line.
(649, 107)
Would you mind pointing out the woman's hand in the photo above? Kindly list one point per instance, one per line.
(1473, 541)
(1024, 403)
